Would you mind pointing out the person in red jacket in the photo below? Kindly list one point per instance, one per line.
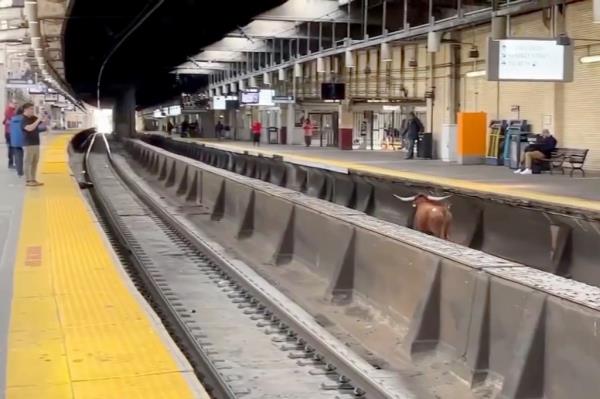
(256, 130)
(9, 112)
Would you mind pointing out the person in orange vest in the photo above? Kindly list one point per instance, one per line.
(256, 130)
(309, 129)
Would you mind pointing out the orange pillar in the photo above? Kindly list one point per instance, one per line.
(471, 137)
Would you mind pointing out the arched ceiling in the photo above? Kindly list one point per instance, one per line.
(177, 30)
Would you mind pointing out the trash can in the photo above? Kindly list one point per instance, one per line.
(425, 146)
(272, 135)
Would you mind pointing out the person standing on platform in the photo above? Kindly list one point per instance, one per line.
(17, 140)
(9, 112)
(32, 126)
(411, 131)
(256, 130)
(309, 129)
(219, 130)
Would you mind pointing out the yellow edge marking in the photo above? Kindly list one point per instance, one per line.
(496, 189)
(76, 331)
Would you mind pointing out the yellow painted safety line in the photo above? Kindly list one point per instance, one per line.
(488, 188)
(76, 330)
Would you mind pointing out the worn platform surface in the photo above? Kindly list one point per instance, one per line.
(577, 191)
(78, 328)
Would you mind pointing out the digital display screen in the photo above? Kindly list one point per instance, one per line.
(265, 97)
(333, 91)
(249, 97)
(219, 103)
(530, 60)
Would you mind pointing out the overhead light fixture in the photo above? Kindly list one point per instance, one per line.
(281, 74)
(386, 54)
(434, 41)
(297, 70)
(588, 59)
(349, 57)
(475, 74)
(36, 42)
(320, 65)
(241, 84)
(252, 82)
(267, 79)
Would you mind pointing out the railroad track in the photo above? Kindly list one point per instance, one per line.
(243, 337)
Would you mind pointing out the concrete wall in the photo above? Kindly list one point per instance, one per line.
(533, 332)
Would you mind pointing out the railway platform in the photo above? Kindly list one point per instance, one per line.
(73, 324)
(582, 193)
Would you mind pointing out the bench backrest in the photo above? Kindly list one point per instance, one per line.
(576, 153)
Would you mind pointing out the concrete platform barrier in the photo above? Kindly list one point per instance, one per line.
(494, 322)
(561, 243)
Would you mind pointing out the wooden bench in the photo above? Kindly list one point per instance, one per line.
(562, 158)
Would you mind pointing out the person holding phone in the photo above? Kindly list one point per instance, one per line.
(32, 127)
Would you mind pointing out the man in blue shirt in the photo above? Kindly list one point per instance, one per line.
(15, 128)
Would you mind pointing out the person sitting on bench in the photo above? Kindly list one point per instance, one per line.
(543, 149)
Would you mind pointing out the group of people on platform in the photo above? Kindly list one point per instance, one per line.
(307, 125)
(22, 133)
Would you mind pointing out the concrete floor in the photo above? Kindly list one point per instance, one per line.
(587, 188)
(11, 200)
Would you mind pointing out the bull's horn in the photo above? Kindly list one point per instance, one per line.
(432, 198)
(406, 199)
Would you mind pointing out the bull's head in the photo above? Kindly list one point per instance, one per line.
(414, 198)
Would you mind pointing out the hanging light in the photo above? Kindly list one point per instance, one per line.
(320, 65)
(349, 57)
(386, 54)
(252, 82)
(596, 13)
(232, 88)
(281, 74)
(242, 84)
(588, 59)
(297, 70)
(475, 74)
(267, 79)
(434, 40)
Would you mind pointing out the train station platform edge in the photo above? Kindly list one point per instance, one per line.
(316, 159)
(78, 328)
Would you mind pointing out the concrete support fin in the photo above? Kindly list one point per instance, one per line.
(163, 170)
(194, 187)
(342, 284)
(476, 239)
(424, 329)
(285, 249)
(172, 174)
(219, 208)
(561, 243)
(155, 164)
(525, 376)
(247, 225)
(183, 184)
(477, 351)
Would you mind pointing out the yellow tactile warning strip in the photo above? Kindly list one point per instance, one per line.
(489, 188)
(76, 330)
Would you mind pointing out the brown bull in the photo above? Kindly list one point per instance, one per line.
(432, 216)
